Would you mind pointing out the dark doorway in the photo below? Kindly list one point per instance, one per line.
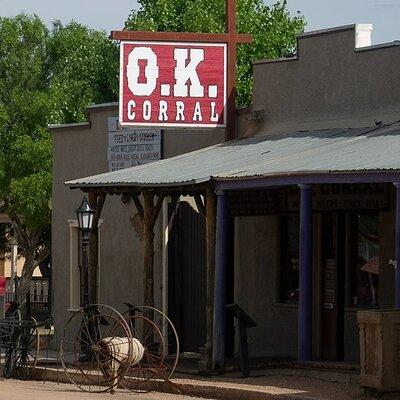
(186, 277)
(333, 285)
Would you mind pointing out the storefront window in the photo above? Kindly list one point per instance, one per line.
(289, 277)
(365, 265)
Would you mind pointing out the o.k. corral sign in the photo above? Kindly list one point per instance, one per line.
(173, 84)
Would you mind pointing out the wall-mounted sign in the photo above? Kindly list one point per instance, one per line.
(172, 84)
(356, 197)
(128, 147)
(2, 286)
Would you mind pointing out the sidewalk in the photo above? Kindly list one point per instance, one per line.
(263, 385)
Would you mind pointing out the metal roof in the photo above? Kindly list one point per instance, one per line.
(309, 152)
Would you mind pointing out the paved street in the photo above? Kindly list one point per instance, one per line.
(20, 390)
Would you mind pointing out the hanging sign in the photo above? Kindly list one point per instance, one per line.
(128, 147)
(2, 286)
(172, 84)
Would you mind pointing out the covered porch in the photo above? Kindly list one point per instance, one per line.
(345, 158)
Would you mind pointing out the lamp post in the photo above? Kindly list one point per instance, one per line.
(85, 221)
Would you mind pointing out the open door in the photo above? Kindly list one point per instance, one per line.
(333, 286)
(186, 277)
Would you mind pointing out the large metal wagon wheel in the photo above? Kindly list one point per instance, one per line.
(147, 372)
(161, 354)
(27, 349)
(9, 335)
(87, 348)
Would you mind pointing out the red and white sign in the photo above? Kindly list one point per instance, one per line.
(170, 84)
(2, 286)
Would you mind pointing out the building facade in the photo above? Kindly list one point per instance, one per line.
(295, 195)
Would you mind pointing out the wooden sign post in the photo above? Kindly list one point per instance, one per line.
(231, 38)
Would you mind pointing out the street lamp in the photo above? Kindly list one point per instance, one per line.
(85, 222)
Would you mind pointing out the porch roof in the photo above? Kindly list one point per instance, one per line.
(330, 151)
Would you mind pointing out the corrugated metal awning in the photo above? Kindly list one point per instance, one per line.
(323, 151)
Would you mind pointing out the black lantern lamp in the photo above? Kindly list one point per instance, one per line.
(85, 216)
(85, 222)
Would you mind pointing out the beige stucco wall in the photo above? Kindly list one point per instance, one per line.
(329, 84)
(80, 151)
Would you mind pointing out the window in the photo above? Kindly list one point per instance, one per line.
(365, 260)
(289, 275)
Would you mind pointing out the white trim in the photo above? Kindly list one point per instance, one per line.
(165, 237)
(74, 273)
(74, 292)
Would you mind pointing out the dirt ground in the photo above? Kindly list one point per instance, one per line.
(29, 390)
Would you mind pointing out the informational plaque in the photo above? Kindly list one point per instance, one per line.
(128, 147)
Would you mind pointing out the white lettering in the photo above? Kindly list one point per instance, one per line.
(146, 110)
(197, 112)
(133, 71)
(185, 72)
(131, 113)
(214, 115)
(180, 108)
(162, 115)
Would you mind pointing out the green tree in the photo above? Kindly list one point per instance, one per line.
(274, 29)
(46, 76)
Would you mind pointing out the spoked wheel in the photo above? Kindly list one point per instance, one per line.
(167, 358)
(27, 350)
(95, 348)
(147, 372)
(9, 335)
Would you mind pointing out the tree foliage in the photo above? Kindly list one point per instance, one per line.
(274, 29)
(46, 76)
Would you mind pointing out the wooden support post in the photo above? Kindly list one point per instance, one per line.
(148, 256)
(230, 27)
(96, 202)
(210, 268)
(148, 212)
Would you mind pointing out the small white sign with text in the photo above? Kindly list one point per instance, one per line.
(128, 147)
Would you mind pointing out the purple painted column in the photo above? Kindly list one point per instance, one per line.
(221, 258)
(397, 271)
(305, 275)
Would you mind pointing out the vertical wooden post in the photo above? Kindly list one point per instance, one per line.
(210, 268)
(230, 26)
(149, 213)
(148, 256)
(96, 202)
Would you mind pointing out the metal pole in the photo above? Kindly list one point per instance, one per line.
(219, 336)
(14, 258)
(305, 275)
(397, 271)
